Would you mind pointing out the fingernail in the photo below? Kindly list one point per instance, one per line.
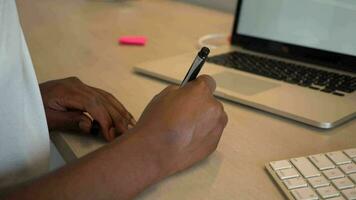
(129, 126)
(133, 121)
(112, 134)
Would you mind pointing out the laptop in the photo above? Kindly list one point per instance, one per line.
(296, 59)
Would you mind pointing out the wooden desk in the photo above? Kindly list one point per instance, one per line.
(78, 38)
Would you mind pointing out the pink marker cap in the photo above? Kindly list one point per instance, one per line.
(133, 40)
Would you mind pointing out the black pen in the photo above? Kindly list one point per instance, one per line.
(196, 66)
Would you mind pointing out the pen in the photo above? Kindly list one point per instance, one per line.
(196, 66)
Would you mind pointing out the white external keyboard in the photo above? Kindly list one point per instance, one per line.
(329, 176)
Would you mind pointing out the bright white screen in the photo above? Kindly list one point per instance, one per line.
(322, 24)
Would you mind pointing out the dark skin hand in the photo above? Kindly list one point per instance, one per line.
(179, 127)
(66, 101)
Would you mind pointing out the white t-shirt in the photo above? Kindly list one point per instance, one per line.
(24, 138)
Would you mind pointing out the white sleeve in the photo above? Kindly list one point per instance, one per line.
(24, 138)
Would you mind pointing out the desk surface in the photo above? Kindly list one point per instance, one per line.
(78, 38)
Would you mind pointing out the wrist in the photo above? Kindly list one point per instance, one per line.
(156, 144)
(142, 159)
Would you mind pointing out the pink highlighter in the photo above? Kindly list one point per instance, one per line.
(133, 40)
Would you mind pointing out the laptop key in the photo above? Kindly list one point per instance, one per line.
(313, 87)
(328, 90)
(338, 94)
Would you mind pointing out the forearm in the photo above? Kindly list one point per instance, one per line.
(118, 171)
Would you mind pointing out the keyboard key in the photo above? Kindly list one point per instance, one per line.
(327, 192)
(283, 164)
(294, 183)
(319, 181)
(333, 173)
(328, 90)
(305, 167)
(338, 94)
(348, 168)
(287, 173)
(353, 177)
(337, 198)
(343, 183)
(304, 194)
(350, 194)
(314, 88)
(321, 162)
(338, 157)
(351, 152)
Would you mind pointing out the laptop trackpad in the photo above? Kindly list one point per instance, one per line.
(242, 84)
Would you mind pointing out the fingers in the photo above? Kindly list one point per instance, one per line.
(95, 107)
(222, 120)
(117, 106)
(121, 118)
(218, 130)
(213, 138)
(104, 108)
(205, 82)
(74, 121)
(70, 94)
(100, 113)
(223, 115)
(209, 81)
(85, 123)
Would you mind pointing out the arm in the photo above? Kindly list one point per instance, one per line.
(120, 170)
(179, 127)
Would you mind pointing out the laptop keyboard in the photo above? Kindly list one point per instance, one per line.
(329, 176)
(328, 82)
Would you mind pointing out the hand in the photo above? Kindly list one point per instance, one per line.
(177, 129)
(65, 101)
(182, 125)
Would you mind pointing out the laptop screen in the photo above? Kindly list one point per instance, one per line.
(321, 24)
(315, 31)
